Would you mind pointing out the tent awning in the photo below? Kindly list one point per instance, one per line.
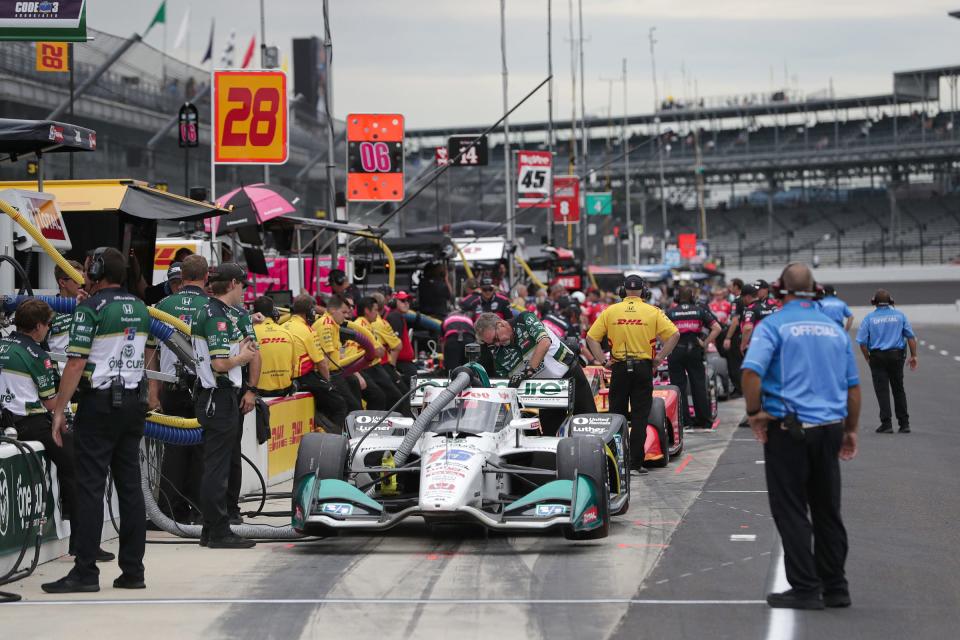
(18, 137)
(131, 197)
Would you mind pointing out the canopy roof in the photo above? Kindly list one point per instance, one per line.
(18, 137)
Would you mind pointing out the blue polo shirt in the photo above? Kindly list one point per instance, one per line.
(885, 328)
(805, 363)
(835, 309)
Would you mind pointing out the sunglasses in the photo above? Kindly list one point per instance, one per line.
(486, 288)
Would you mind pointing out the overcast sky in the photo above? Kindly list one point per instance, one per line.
(438, 61)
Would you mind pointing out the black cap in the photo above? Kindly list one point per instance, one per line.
(633, 283)
(486, 281)
(761, 284)
(263, 305)
(336, 276)
(229, 271)
(748, 290)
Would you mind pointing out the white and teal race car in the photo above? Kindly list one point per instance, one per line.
(476, 459)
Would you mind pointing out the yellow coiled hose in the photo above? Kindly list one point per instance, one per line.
(173, 421)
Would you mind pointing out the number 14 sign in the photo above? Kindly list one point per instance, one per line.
(250, 117)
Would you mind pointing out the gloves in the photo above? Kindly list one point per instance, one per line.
(517, 379)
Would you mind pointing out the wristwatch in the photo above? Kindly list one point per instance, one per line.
(750, 414)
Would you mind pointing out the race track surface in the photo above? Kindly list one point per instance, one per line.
(693, 558)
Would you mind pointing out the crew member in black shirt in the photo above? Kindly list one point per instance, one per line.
(686, 361)
(489, 300)
(731, 341)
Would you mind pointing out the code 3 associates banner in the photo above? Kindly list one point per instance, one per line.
(54, 21)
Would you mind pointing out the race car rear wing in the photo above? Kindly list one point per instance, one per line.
(532, 394)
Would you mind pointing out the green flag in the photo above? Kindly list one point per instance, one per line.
(160, 18)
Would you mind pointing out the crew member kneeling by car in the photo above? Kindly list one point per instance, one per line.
(632, 327)
(523, 348)
(105, 359)
(802, 394)
(221, 352)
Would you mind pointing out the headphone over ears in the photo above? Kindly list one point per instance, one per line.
(877, 303)
(644, 291)
(95, 271)
(779, 292)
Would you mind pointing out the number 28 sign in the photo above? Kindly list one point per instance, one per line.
(250, 117)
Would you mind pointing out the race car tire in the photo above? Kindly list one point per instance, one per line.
(713, 397)
(323, 454)
(585, 455)
(724, 388)
(658, 419)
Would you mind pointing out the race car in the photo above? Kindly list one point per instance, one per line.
(476, 460)
(664, 437)
(662, 379)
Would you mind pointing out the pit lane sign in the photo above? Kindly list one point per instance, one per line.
(375, 157)
(59, 20)
(534, 179)
(250, 117)
(53, 57)
(566, 200)
(464, 154)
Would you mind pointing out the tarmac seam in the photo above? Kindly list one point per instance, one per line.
(378, 601)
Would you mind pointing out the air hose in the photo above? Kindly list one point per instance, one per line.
(172, 435)
(459, 383)
(362, 337)
(421, 321)
(34, 233)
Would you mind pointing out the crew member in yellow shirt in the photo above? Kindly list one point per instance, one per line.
(632, 327)
(278, 358)
(327, 330)
(312, 373)
(368, 312)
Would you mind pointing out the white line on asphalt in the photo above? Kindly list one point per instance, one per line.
(932, 347)
(781, 621)
(736, 491)
(374, 601)
(743, 537)
(944, 352)
(957, 358)
(760, 462)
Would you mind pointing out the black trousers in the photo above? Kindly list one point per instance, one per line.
(105, 436)
(583, 402)
(686, 363)
(407, 371)
(734, 360)
(327, 399)
(235, 481)
(802, 475)
(886, 369)
(182, 465)
(382, 390)
(349, 390)
(220, 437)
(631, 395)
(38, 427)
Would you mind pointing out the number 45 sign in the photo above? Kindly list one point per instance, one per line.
(250, 117)
(534, 179)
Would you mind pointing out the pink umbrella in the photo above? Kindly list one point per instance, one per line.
(267, 201)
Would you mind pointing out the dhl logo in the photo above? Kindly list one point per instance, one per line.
(279, 340)
(163, 256)
(630, 321)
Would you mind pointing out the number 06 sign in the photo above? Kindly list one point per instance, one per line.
(250, 117)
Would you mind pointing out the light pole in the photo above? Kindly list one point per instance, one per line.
(656, 120)
(263, 65)
(626, 168)
(507, 174)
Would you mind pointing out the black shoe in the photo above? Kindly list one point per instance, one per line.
(837, 599)
(235, 518)
(67, 584)
(744, 423)
(735, 395)
(640, 471)
(126, 581)
(790, 599)
(230, 541)
(885, 428)
(204, 537)
(102, 555)
(905, 429)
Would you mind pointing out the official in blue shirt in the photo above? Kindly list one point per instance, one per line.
(802, 393)
(835, 308)
(883, 335)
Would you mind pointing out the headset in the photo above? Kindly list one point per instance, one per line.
(644, 290)
(95, 271)
(779, 292)
(877, 303)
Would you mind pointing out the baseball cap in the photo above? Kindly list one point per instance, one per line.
(174, 272)
(486, 281)
(402, 295)
(761, 284)
(229, 271)
(336, 276)
(633, 283)
(748, 290)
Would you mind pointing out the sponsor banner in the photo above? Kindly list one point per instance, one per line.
(277, 279)
(687, 244)
(539, 394)
(566, 200)
(40, 209)
(290, 419)
(440, 156)
(534, 179)
(20, 500)
(58, 20)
